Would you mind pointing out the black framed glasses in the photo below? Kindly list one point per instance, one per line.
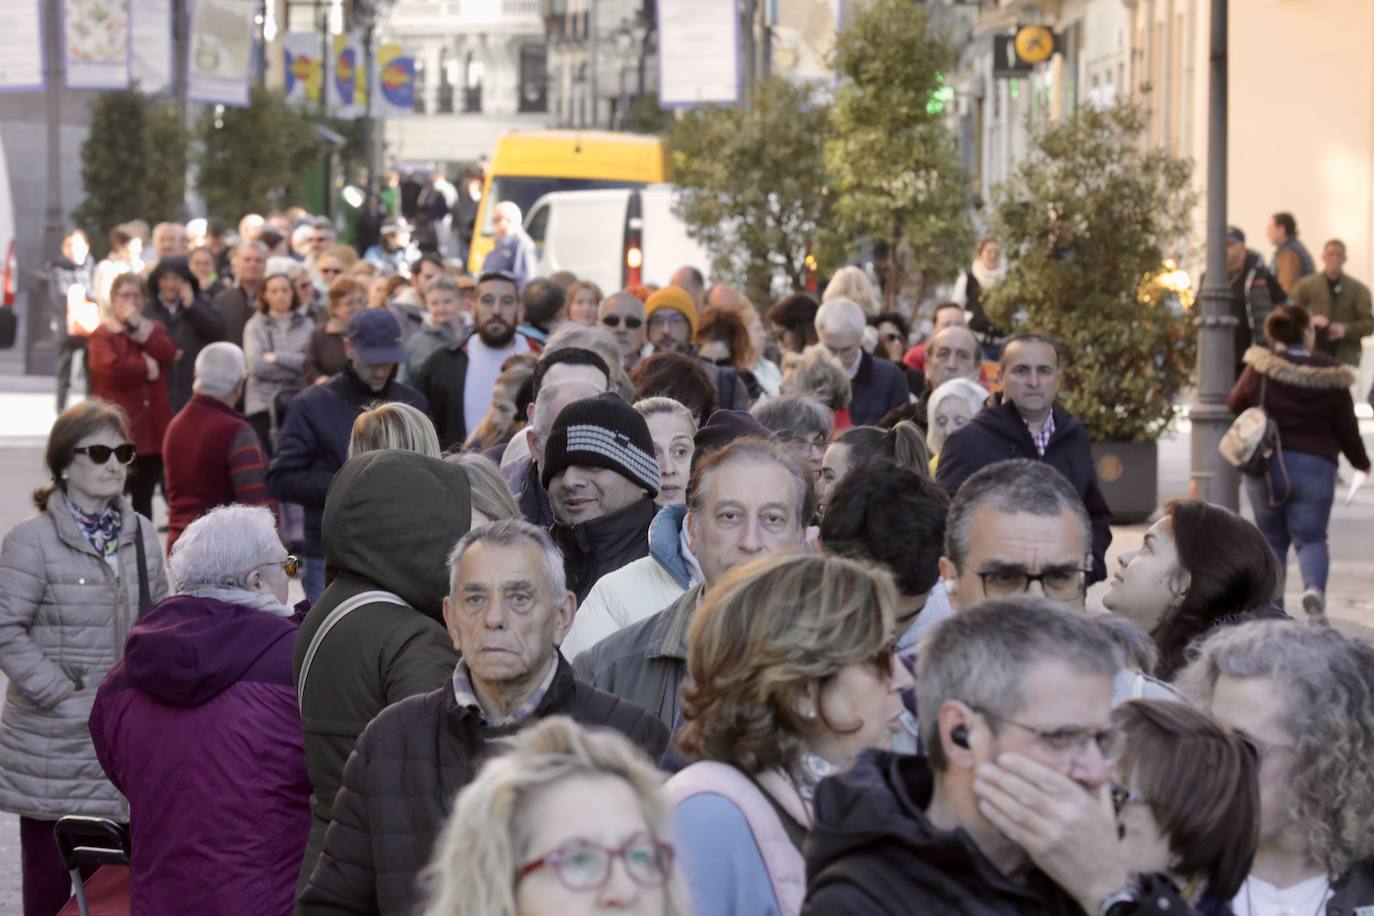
(631, 322)
(99, 454)
(582, 865)
(1123, 796)
(1061, 584)
(291, 565)
(1069, 738)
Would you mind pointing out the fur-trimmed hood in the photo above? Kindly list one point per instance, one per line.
(1326, 374)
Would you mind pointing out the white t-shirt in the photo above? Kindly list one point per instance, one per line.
(484, 365)
(1257, 897)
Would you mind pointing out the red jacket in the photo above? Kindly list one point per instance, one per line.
(119, 374)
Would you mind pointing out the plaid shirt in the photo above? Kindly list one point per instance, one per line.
(1042, 439)
(467, 697)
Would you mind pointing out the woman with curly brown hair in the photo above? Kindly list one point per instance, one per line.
(1304, 696)
(792, 676)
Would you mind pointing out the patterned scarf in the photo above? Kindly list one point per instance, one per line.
(101, 529)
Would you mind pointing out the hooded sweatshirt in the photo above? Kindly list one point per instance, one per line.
(198, 727)
(389, 522)
(872, 852)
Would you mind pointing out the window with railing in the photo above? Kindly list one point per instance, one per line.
(472, 85)
(448, 79)
(534, 80)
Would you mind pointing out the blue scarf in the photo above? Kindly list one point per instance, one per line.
(101, 529)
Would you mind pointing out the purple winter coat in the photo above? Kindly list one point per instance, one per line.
(198, 726)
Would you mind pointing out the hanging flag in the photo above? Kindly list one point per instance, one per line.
(302, 51)
(220, 63)
(698, 53)
(150, 45)
(21, 46)
(95, 43)
(395, 82)
(347, 84)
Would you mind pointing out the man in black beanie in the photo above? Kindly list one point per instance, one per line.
(602, 477)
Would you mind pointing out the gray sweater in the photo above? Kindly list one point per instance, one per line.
(288, 338)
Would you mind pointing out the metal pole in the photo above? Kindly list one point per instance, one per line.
(593, 52)
(747, 17)
(1212, 478)
(40, 351)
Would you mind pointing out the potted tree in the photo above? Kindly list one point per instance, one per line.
(1088, 221)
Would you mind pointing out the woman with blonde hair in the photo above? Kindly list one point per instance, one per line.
(502, 420)
(584, 298)
(492, 500)
(393, 425)
(852, 283)
(792, 675)
(568, 821)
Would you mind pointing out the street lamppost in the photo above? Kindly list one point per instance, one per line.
(1213, 479)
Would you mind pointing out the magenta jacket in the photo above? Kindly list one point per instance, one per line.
(198, 726)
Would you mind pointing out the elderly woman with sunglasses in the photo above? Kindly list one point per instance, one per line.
(792, 676)
(72, 582)
(199, 727)
(128, 358)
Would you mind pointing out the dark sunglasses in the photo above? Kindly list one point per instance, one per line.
(99, 454)
(895, 338)
(613, 321)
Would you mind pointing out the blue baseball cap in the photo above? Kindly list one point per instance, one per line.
(375, 336)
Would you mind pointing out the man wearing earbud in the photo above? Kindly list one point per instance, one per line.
(1010, 808)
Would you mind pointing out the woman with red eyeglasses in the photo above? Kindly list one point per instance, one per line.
(73, 580)
(128, 357)
(568, 822)
(791, 677)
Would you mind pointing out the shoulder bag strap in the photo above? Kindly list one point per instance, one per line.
(339, 613)
(145, 599)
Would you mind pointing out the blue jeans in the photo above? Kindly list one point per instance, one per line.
(313, 582)
(1301, 520)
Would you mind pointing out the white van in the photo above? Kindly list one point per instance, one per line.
(615, 237)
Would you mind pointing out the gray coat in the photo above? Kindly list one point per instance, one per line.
(64, 617)
(263, 335)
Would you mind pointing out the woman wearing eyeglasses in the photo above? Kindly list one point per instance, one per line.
(568, 822)
(128, 358)
(1186, 795)
(792, 676)
(199, 727)
(71, 585)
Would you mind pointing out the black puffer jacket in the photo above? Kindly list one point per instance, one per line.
(873, 852)
(391, 518)
(400, 783)
(603, 545)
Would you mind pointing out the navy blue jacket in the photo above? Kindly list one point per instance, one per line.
(879, 386)
(313, 443)
(998, 433)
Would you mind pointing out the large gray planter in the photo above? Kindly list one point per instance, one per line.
(1129, 475)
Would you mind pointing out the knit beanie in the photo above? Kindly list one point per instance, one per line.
(672, 297)
(602, 432)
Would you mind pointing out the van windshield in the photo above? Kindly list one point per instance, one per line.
(525, 190)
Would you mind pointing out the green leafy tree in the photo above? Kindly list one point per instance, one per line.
(752, 179)
(1087, 222)
(133, 163)
(894, 170)
(252, 159)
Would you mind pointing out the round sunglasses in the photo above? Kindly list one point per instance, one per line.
(613, 321)
(99, 454)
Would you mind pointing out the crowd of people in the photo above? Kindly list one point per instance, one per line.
(650, 601)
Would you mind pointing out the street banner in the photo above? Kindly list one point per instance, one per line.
(804, 34)
(150, 45)
(95, 43)
(303, 77)
(21, 47)
(221, 58)
(395, 82)
(698, 53)
(346, 82)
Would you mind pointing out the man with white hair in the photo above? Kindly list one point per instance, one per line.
(507, 610)
(514, 253)
(877, 384)
(211, 456)
(170, 240)
(198, 725)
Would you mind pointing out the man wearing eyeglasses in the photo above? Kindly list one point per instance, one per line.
(1025, 421)
(671, 317)
(1011, 806)
(877, 385)
(507, 610)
